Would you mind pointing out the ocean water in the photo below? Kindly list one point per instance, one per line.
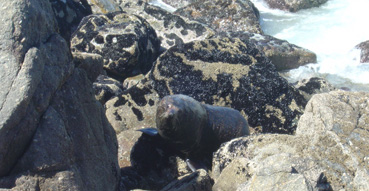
(331, 31)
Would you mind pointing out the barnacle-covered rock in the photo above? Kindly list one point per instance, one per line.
(126, 42)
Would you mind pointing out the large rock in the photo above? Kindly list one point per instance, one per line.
(106, 88)
(293, 5)
(364, 54)
(329, 150)
(171, 29)
(282, 54)
(126, 42)
(221, 71)
(224, 15)
(53, 133)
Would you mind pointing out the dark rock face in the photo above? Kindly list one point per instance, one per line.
(127, 43)
(171, 29)
(232, 73)
(293, 5)
(224, 15)
(68, 15)
(53, 133)
(282, 54)
(364, 55)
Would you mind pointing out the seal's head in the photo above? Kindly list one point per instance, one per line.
(180, 120)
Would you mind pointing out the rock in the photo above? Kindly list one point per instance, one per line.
(224, 15)
(126, 42)
(132, 81)
(92, 64)
(171, 29)
(178, 3)
(294, 6)
(29, 75)
(126, 141)
(134, 109)
(53, 133)
(232, 73)
(328, 151)
(220, 71)
(106, 88)
(69, 14)
(196, 181)
(312, 86)
(282, 54)
(103, 6)
(364, 54)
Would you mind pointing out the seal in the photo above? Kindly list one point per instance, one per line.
(194, 129)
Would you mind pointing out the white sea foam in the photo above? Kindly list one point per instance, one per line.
(331, 31)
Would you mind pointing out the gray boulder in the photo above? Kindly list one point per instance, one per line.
(224, 15)
(53, 133)
(196, 181)
(328, 151)
(126, 42)
(364, 54)
(293, 5)
(282, 54)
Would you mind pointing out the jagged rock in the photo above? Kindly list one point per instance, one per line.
(364, 54)
(25, 73)
(106, 88)
(103, 6)
(126, 42)
(53, 133)
(69, 14)
(312, 86)
(196, 181)
(284, 56)
(328, 151)
(171, 29)
(224, 15)
(293, 5)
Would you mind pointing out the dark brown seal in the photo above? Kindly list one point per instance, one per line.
(195, 129)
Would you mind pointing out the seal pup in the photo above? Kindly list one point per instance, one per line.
(194, 129)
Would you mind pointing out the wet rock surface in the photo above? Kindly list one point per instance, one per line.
(364, 54)
(294, 6)
(282, 54)
(224, 15)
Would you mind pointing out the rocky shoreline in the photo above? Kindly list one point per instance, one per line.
(81, 77)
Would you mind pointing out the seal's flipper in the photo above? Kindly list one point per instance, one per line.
(149, 131)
